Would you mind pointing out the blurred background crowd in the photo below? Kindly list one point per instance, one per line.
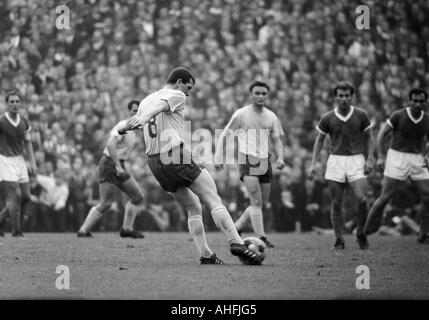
(75, 84)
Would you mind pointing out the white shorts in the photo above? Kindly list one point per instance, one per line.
(345, 168)
(13, 169)
(401, 165)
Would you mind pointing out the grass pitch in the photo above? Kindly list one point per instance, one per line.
(165, 266)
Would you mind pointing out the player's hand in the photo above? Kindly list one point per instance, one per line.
(134, 123)
(380, 164)
(120, 171)
(280, 164)
(426, 162)
(219, 167)
(32, 169)
(312, 172)
(369, 165)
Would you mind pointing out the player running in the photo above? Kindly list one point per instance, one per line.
(14, 142)
(406, 158)
(112, 175)
(350, 132)
(172, 165)
(254, 125)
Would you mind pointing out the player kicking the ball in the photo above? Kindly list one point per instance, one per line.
(351, 138)
(112, 175)
(406, 158)
(172, 165)
(255, 125)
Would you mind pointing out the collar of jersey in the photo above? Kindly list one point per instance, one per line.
(341, 117)
(412, 118)
(14, 123)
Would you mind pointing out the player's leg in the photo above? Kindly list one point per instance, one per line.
(360, 188)
(423, 187)
(336, 191)
(25, 198)
(242, 221)
(192, 205)
(255, 209)
(375, 213)
(107, 191)
(205, 188)
(4, 211)
(132, 208)
(266, 188)
(13, 204)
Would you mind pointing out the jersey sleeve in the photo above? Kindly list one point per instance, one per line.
(323, 125)
(366, 122)
(393, 120)
(277, 130)
(27, 128)
(234, 122)
(175, 99)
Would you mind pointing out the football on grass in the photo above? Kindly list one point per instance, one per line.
(256, 245)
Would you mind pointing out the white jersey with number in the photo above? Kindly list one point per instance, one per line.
(253, 129)
(124, 143)
(165, 130)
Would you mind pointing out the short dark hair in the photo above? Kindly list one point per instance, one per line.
(130, 104)
(344, 85)
(180, 73)
(12, 93)
(257, 83)
(417, 91)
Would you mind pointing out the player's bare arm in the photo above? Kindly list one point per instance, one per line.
(369, 163)
(113, 153)
(220, 144)
(381, 157)
(30, 154)
(317, 148)
(425, 150)
(278, 146)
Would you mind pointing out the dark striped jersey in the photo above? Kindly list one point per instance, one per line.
(12, 135)
(409, 133)
(347, 133)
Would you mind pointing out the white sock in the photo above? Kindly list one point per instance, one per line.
(91, 219)
(196, 229)
(131, 211)
(224, 222)
(242, 221)
(257, 220)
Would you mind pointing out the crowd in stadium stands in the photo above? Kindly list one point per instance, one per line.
(75, 84)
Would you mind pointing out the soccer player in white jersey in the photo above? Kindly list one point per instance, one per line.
(254, 125)
(14, 144)
(406, 158)
(113, 175)
(171, 163)
(350, 159)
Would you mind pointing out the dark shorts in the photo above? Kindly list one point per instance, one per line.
(254, 167)
(107, 171)
(171, 176)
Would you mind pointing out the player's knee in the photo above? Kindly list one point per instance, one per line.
(194, 209)
(14, 199)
